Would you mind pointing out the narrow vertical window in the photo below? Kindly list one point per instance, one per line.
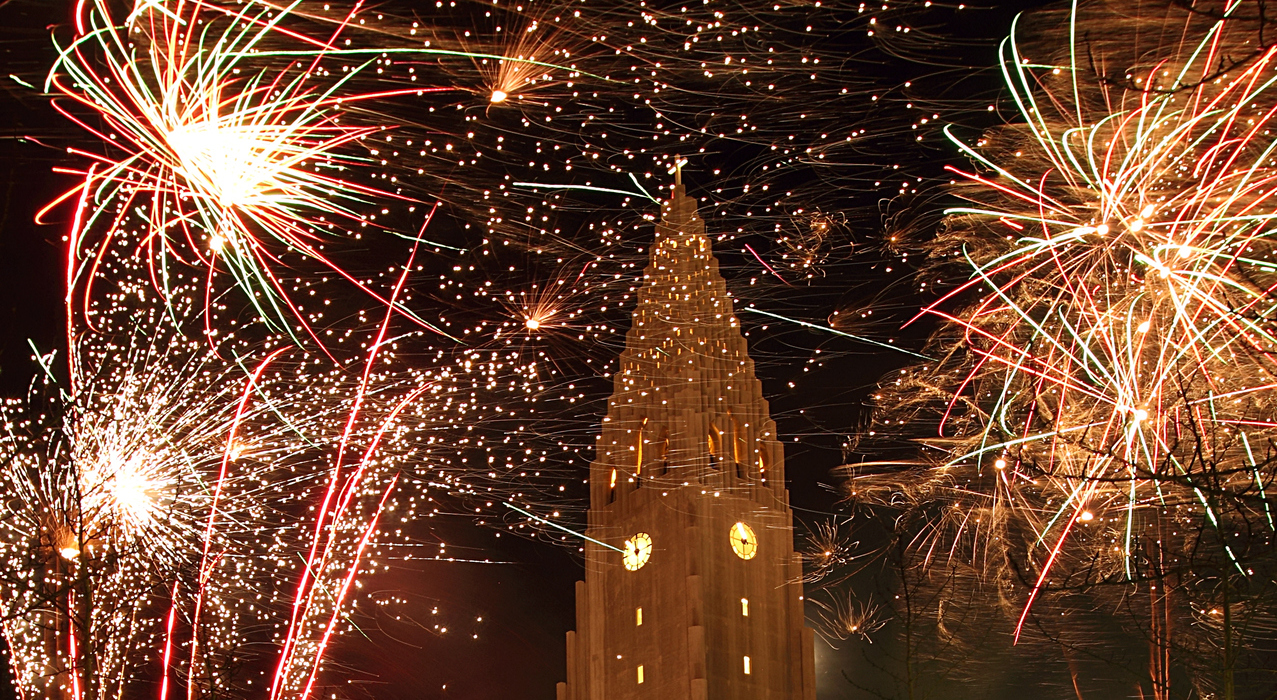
(611, 489)
(738, 442)
(744, 607)
(638, 617)
(638, 457)
(662, 452)
(746, 665)
(640, 673)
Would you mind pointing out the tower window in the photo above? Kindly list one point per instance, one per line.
(638, 617)
(744, 607)
(746, 668)
(638, 459)
(738, 442)
(640, 672)
(660, 451)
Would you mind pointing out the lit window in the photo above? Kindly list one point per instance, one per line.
(746, 665)
(744, 607)
(638, 617)
(640, 674)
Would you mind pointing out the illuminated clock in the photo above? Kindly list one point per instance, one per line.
(744, 541)
(638, 549)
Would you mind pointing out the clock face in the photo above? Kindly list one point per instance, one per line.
(638, 549)
(744, 541)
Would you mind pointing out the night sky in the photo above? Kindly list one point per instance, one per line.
(879, 91)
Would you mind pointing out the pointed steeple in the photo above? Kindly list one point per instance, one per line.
(692, 588)
(686, 405)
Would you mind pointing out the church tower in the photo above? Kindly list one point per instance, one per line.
(692, 588)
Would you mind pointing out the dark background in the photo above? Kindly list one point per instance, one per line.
(526, 600)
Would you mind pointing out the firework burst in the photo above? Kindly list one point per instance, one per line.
(111, 491)
(1105, 376)
(535, 49)
(226, 139)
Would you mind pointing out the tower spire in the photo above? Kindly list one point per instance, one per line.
(686, 403)
(688, 481)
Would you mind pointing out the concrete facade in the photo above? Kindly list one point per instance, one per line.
(688, 450)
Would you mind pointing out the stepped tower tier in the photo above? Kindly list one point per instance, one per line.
(692, 588)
